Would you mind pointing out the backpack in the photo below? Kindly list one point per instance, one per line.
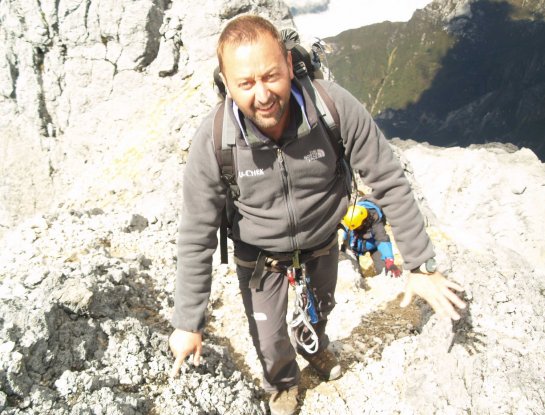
(306, 68)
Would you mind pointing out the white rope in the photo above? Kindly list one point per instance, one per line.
(302, 321)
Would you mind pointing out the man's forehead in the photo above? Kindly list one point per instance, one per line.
(250, 43)
(248, 57)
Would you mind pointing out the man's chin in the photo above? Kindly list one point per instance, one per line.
(265, 123)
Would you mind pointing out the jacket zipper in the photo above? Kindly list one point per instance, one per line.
(287, 194)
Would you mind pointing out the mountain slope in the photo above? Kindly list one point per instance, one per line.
(459, 72)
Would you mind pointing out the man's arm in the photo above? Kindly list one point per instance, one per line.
(204, 195)
(369, 153)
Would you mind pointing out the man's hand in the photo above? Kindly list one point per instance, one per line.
(182, 344)
(435, 289)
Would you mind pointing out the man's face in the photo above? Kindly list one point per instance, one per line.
(258, 78)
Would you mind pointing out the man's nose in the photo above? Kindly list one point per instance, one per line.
(262, 92)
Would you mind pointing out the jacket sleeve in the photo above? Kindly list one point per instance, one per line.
(369, 152)
(204, 195)
(379, 231)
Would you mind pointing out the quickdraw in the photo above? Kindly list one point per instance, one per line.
(304, 315)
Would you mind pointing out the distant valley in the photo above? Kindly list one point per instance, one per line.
(458, 73)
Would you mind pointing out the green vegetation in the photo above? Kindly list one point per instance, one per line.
(389, 65)
(478, 78)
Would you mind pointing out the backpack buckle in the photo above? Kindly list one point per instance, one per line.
(231, 181)
(300, 69)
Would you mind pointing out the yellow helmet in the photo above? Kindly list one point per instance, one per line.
(354, 217)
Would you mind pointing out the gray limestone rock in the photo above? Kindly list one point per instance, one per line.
(103, 80)
(98, 104)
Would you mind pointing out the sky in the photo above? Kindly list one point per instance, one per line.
(349, 14)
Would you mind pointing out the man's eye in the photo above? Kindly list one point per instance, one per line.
(271, 77)
(245, 85)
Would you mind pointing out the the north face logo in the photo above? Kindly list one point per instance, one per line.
(251, 173)
(315, 155)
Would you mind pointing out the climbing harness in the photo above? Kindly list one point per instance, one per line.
(292, 264)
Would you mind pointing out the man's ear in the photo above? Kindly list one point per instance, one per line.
(225, 84)
(290, 63)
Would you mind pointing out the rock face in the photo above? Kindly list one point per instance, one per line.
(98, 104)
(89, 84)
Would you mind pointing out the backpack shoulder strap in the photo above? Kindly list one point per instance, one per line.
(224, 135)
(330, 114)
(327, 111)
(224, 139)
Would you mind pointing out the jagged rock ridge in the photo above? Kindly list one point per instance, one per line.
(116, 82)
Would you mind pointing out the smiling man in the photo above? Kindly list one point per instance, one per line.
(259, 82)
(288, 209)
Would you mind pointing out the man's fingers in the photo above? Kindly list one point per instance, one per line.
(444, 301)
(448, 308)
(197, 356)
(436, 290)
(454, 299)
(439, 306)
(442, 305)
(453, 285)
(177, 365)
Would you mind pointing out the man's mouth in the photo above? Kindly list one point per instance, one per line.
(264, 109)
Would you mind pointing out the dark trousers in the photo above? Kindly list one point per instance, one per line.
(266, 310)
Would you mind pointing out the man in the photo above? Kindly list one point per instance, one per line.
(289, 206)
(364, 231)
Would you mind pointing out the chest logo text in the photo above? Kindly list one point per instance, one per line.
(251, 173)
(315, 155)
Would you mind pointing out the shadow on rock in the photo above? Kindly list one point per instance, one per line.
(379, 329)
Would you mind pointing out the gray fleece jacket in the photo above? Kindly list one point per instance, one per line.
(291, 194)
